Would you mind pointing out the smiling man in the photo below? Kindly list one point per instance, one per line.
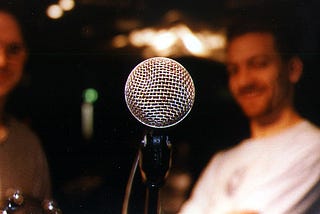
(277, 169)
(262, 81)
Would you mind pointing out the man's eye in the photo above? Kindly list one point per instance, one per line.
(261, 63)
(15, 49)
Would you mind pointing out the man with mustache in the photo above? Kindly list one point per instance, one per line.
(277, 169)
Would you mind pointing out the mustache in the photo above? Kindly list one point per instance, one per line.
(249, 88)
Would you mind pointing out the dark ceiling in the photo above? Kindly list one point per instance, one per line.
(93, 23)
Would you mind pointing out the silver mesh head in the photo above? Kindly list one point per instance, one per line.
(159, 92)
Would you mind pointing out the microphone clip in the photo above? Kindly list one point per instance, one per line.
(155, 159)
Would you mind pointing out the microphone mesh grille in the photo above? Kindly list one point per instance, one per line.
(159, 92)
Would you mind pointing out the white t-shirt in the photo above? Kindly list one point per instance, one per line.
(273, 175)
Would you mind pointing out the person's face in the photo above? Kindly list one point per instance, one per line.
(258, 77)
(12, 53)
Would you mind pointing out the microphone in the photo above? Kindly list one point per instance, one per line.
(159, 92)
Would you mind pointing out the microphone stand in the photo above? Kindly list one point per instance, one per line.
(155, 162)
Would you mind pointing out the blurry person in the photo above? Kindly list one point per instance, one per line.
(23, 164)
(277, 169)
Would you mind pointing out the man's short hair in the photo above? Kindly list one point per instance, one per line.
(277, 21)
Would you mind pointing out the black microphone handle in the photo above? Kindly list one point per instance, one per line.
(155, 162)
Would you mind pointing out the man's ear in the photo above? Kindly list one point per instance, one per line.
(295, 67)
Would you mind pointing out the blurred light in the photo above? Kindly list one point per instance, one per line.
(120, 41)
(87, 120)
(191, 41)
(50, 207)
(54, 11)
(66, 5)
(214, 41)
(142, 37)
(163, 40)
(90, 95)
(175, 40)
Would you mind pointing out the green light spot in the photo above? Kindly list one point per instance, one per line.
(90, 95)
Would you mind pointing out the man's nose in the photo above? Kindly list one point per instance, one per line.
(244, 76)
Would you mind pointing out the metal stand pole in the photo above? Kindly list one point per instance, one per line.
(155, 162)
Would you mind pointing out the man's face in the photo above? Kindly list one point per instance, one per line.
(258, 78)
(12, 53)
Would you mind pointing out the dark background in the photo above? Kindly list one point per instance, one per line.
(73, 53)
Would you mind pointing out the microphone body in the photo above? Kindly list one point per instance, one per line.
(155, 162)
(159, 93)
